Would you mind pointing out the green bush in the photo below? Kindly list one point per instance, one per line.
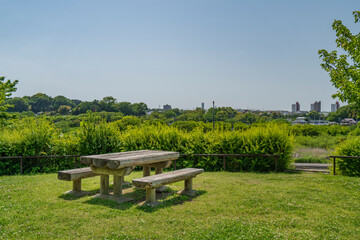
(96, 136)
(306, 130)
(349, 167)
(29, 137)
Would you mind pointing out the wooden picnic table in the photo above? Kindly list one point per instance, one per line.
(121, 164)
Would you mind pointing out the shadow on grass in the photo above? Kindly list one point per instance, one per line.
(166, 199)
(110, 203)
(173, 199)
(70, 197)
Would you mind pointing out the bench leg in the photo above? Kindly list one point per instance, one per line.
(159, 170)
(150, 195)
(150, 198)
(188, 188)
(77, 185)
(76, 191)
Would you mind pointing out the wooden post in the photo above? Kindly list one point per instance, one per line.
(150, 195)
(188, 184)
(146, 171)
(175, 164)
(77, 185)
(104, 184)
(158, 170)
(334, 165)
(276, 167)
(118, 186)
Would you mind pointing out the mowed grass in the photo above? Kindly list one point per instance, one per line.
(229, 206)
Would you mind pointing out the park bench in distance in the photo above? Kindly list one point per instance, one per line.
(75, 175)
(150, 183)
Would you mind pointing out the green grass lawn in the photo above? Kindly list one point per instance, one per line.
(229, 206)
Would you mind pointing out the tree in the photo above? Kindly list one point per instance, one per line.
(61, 101)
(139, 109)
(18, 104)
(6, 89)
(40, 102)
(108, 104)
(344, 70)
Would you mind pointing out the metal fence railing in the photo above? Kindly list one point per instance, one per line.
(22, 159)
(344, 157)
(76, 163)
(275, 156)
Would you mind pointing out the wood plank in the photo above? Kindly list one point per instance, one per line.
(166, 178)
(75, 174)
(142, 159)
(127, 159)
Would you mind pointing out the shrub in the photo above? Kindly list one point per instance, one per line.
(349, 167)
(96, 136)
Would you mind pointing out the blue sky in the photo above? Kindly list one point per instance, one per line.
(243, 54)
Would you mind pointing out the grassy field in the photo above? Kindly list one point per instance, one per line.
(311, 155)
(229, 206)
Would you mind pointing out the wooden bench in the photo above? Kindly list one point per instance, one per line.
(75, 175)
(150, 183)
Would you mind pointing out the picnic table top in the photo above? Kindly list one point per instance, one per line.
(129, 159)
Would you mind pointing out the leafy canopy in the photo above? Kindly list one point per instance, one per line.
(6, 89)
(344, 69)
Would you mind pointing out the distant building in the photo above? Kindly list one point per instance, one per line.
(295, 107)
(316, 106)
(348, 121)
(202, 106)
(300, 120)
(167, 107)
(335, 107)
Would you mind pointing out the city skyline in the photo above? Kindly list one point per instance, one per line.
(249, 55)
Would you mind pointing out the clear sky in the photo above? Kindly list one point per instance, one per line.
(243, 54)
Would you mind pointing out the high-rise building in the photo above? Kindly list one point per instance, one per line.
(335, 106)
(295, 107)
(202, 106)
(167, 107)
(316, 106)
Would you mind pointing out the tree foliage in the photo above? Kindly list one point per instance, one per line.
(344, 69)
(7, 87)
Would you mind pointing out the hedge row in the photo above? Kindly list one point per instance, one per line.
(30, 136)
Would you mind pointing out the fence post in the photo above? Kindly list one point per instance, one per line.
(224, 163)
(334, 165)
(21, 165)
(76, 158)
(276, 161)
(175, 164)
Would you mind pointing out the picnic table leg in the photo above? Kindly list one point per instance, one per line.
(146, 171)
(117, 186)
(104, 184)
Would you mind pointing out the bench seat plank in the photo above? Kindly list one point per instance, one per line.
(75, 174)
(166, 178)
